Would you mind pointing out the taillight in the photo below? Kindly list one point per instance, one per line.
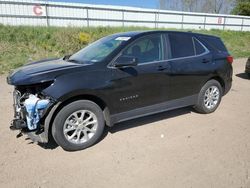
(230, 59)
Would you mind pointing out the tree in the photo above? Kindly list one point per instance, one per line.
(162, 4)
(242, 7)
(208, 6)
(218, 5)
(215, 6)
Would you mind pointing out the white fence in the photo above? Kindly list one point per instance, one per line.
(41, 13)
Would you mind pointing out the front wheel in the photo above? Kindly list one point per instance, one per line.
(209, 97)
(78, 125)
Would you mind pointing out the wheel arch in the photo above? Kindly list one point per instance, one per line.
(220, 80)
(48, 122)
(98, 100)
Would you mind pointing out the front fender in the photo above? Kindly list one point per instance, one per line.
(49, 120)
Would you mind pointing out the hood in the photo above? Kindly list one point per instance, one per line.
(40, 71)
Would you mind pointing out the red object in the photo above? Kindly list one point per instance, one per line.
(230, 59)
(220, 20)
(37, 9)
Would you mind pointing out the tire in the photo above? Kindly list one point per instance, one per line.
(202, 105)
(72, 131)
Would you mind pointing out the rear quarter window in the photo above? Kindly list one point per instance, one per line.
(199, 49)
(215, 43)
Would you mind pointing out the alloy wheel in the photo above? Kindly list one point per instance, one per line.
(80, 126)
(211, 97)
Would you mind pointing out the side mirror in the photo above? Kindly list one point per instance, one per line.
(125, 61)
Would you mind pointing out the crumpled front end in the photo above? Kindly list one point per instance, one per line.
(31, 103)
(31, 107)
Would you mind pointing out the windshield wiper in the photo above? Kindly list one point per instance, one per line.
(66, 57)
(73, 61)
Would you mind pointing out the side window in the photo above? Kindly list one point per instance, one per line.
(215, 43)
(199, 49)
(181, 45)
(146, 49)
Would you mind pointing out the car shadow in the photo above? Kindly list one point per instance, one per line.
(243, 76)
(149, 119)
(50, 145)
(142, 121)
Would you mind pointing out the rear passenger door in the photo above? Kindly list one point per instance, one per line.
(190, 64)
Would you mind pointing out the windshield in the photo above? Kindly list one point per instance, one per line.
(98, 50)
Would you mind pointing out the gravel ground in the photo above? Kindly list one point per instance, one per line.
(179, 148)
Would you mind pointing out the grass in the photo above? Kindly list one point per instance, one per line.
(20, 44)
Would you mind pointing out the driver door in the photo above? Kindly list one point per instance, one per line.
(146, 83)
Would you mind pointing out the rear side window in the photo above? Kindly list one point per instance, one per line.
(181, 45)
(215, 43)
(199, 49)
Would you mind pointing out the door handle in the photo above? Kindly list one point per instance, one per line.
(205, 60)
(163, 67)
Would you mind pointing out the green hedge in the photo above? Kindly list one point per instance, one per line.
(21, 44)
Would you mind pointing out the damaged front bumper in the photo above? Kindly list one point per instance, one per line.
(30, 114)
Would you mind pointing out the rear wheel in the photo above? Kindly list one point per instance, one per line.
(209, 97)
(78, 125)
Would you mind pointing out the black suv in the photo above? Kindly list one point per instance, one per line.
(117, 78)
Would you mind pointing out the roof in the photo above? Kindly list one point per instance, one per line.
(138, 33)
